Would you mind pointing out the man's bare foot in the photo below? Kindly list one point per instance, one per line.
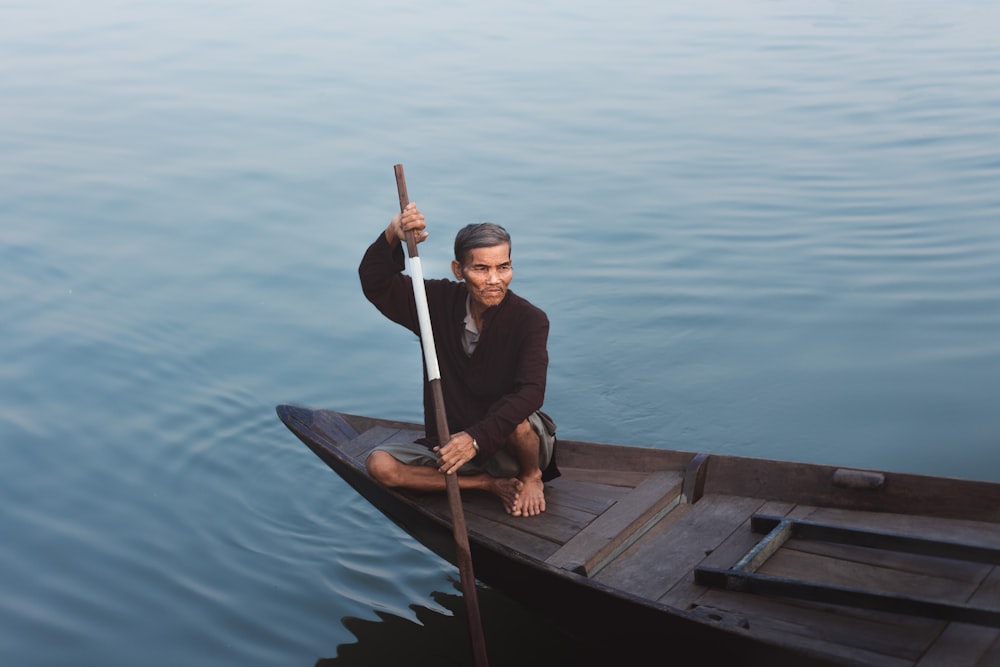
(531, 499)
(508, 491)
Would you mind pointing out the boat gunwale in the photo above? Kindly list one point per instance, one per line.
(904, 493)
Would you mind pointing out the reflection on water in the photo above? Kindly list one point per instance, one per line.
(514, 636)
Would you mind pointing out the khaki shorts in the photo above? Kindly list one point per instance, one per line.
(502, 464)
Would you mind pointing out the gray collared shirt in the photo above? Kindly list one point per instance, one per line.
(471, 334)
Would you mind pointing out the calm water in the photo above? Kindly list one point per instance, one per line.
(762, 228)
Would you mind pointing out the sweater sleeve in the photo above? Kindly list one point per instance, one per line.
(386, 286)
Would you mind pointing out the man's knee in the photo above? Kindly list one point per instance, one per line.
(383, 467)
(524, 433)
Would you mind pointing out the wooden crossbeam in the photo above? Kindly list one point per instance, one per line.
(825, 532)
(743, 577)
(762, 584)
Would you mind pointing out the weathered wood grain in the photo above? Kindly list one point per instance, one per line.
(686, 593)
(669, 551)
(575, 454)
(620, 525)
(870, 638)
(592, 497)
(815, 485)
(962, 644)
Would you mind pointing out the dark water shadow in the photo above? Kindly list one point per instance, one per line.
(515, 636)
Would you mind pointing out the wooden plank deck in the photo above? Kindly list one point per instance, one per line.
(857, 635)
(570, 507)
(856, 638)
(620, 525)
(962, 644)
(668, 552)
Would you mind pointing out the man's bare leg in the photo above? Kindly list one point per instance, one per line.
(523, 443)
(388, 470)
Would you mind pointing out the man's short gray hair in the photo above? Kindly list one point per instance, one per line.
(479, 235)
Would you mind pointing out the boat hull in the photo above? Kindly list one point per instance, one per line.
(584, 594)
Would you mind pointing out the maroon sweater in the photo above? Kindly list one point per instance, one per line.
(488, 394)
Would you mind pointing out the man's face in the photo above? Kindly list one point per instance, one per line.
(487, 272)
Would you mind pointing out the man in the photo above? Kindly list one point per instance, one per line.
(492, 352)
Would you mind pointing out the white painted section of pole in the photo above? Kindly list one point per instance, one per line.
(424, 318)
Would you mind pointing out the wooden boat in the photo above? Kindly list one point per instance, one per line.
(727, 560)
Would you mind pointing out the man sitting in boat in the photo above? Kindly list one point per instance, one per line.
(492, 351)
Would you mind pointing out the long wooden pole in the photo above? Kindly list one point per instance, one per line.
(461, 533)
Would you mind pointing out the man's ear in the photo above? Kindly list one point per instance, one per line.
(456, 269)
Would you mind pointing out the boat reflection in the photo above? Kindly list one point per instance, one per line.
(515, 636)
